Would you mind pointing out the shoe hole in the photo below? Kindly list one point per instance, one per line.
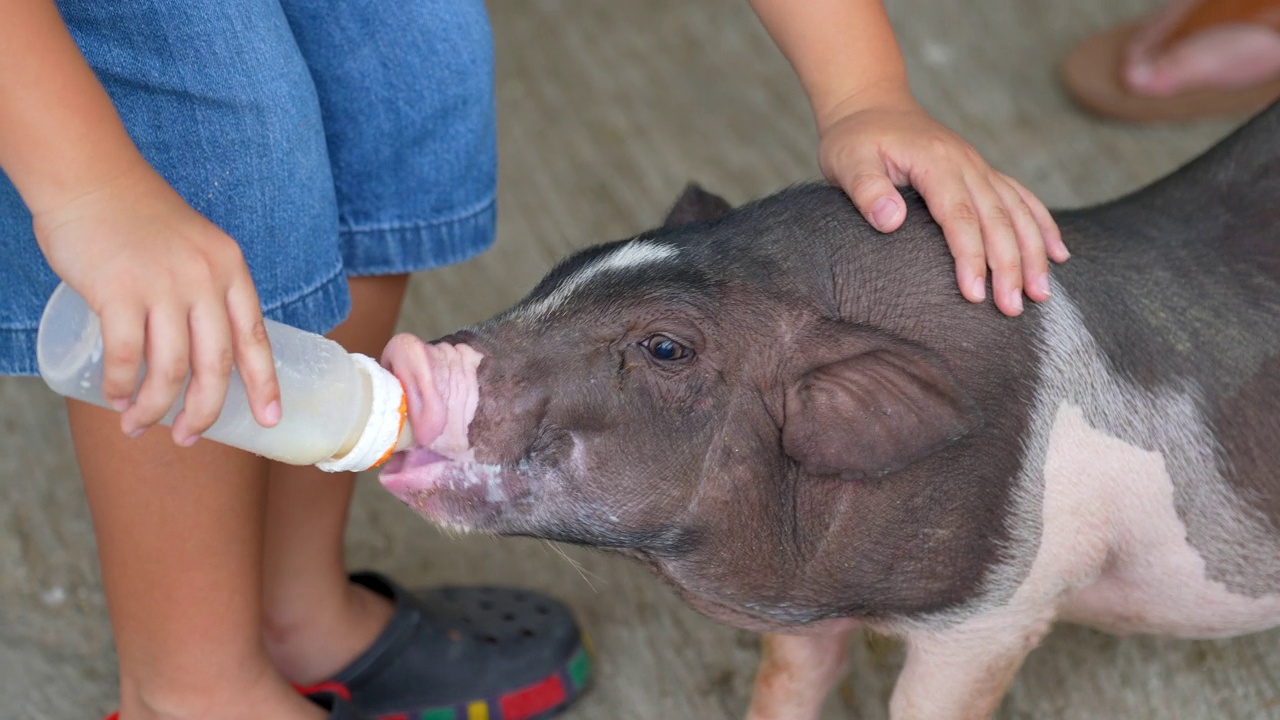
(466, 619)
(509, 617)
(542, 609)
(488, 639)
(526, 633)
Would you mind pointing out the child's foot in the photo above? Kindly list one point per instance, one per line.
(499, 653)
(264, 696)
(326, 705)
(314, 643)
(1193, 58)
(451, 652)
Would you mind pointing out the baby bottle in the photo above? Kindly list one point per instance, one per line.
(340, 411)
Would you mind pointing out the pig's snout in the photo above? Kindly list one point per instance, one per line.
(440, 478)
(475, 455)
(442, 388)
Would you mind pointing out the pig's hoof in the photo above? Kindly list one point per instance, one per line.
(501, 653)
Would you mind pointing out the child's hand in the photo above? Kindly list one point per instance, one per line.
(988, 218)
(172, 290)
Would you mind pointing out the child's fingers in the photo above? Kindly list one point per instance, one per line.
(999, 241)
(873, 194)
(1049, 230)
(168, 364)
(123, 338)
(1031, 245)
(952, 207)
(211, 361)
(252, 350)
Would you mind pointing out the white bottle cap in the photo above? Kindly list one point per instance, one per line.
(388, 409)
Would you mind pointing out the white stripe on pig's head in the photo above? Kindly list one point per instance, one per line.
(621, 258)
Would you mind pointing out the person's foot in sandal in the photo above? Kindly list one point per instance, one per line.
(1193, 58)
(458, 653)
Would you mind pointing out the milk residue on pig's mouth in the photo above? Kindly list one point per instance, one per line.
(443, 490)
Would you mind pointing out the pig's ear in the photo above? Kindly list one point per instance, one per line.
(695, 205)
(874, 412)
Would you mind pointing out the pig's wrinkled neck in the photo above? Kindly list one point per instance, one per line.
(759, 537)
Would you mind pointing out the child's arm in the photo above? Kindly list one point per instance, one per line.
(170, 288)
(875, 136)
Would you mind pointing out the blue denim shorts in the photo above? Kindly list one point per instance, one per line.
(329, 139)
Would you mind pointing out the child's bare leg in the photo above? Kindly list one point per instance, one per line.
(316, 622)
(180, 542)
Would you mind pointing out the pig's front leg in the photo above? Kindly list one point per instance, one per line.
(796, 673)
(963, 673)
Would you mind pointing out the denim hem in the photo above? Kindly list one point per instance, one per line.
(395, 249)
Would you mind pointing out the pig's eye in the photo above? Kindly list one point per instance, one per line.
(665, 349)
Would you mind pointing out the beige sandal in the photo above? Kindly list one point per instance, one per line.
(1092, 71)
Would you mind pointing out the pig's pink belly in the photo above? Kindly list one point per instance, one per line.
(1111, 528)
(1160, 600)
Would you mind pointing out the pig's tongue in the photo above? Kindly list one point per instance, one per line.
(443, 391)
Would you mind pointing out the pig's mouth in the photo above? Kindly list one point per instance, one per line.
(410, 460)
(441, 479)
(459, 493)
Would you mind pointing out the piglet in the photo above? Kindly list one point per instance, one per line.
(801, 424)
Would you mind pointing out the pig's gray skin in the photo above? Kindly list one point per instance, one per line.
(836, 435)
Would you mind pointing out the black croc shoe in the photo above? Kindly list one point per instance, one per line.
(468, 653)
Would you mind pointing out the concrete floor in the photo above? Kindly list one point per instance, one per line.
(606, 110)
